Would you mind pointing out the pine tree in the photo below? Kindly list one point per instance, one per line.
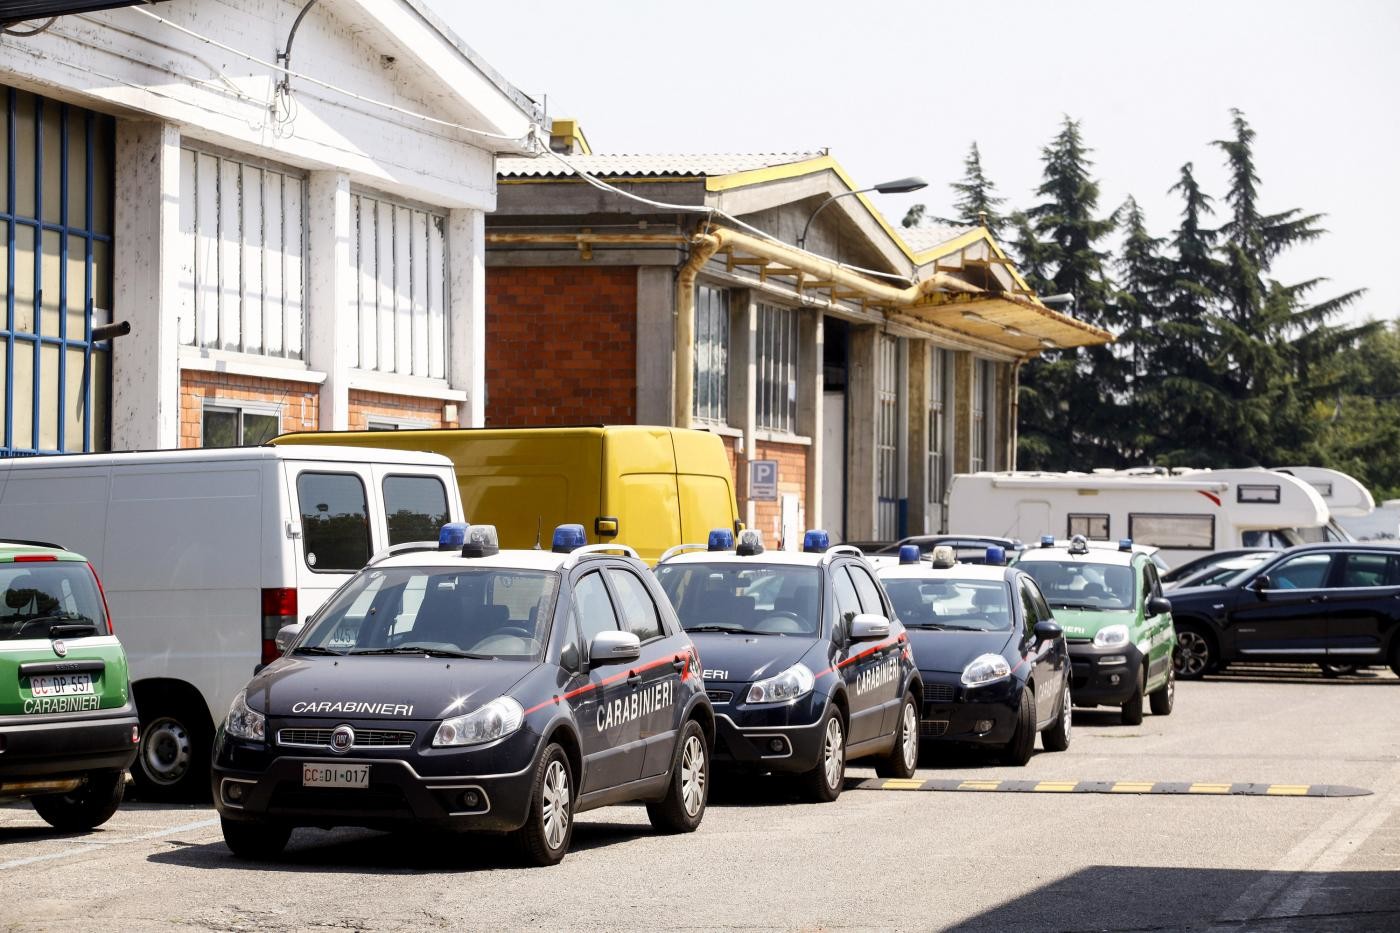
(977, 203)
(914, 216)
(1143, 275)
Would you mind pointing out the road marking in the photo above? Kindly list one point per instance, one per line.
(1111, 787)
(90, 846)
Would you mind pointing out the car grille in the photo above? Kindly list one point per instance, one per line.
(720, 696)
(932, 728)
(938, 693)
(364, 738)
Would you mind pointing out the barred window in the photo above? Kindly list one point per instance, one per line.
(399, 254)
(776, 359)
(712, 354)
(243, 256)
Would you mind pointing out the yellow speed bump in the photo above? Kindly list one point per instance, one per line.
(1288, 790)
(1208, 789)
(1057, 787)
(1131, 787)
(1108, 787)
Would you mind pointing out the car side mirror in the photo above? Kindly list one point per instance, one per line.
(1047, 630)
(614, 648)
(1261, 583)
(286, 635)
(867, 626)
(1159, 605)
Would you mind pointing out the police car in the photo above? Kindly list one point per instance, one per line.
(804, 662)
(994, 662)
(464, 687)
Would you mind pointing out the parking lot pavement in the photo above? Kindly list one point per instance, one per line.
(877, 859)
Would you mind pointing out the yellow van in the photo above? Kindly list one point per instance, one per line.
(650, 487)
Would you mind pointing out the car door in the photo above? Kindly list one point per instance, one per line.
(1158, 627)
(611, 739)
(1363, 606)
(657, 672)
(878, 671)
(1046, 658)
(1287, 617)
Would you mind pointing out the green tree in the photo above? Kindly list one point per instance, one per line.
(914, 216)
(1143, 276)
(977, 203)
(1360, 426)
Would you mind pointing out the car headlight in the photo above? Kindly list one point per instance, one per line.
(244, 722)
(1111, 636)
(494, 720)
(793, 683)
(985, 669)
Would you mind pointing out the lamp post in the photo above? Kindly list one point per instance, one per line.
(898, 186)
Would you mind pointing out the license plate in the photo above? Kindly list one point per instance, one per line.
(324, 775)
(60, 685)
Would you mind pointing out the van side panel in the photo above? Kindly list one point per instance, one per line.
(59, 505)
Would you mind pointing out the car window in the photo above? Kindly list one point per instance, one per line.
(1304, 572)
(950, 605)
(415, 508)
(1042, 606)
(42, 594)
(593, 609)
(639, 615)
(768, 599)
(867, 590)
(1029, 609)
(1363, 570)
(334, 522)
(1077, 583)
(847, 600)
(1154, 582)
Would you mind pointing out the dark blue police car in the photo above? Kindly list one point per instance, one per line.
(803, 659)
(470, 688)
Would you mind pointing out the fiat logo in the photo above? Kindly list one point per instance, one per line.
(60, 649)
(342, 739)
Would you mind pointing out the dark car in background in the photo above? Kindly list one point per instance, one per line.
(1178, 574)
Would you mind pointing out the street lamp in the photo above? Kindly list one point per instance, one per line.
(898, 186)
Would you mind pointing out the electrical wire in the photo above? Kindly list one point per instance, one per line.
(9, 30)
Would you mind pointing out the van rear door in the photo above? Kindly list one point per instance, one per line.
(415, 502)
(332, 502)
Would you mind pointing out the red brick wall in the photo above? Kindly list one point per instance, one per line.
(364, 405)
(792, 478)
(299, 403)
(561, 345)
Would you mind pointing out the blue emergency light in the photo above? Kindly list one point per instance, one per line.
(721, 539)
(996, 555)
(1125, 544)
(452, 536)
(816, 541)
(1047, 540)
(909, 554)
(567, 538)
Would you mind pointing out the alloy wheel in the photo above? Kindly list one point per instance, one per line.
(834, 753)
(911, 737)
(556, 804)
(1193, 653)
(693, 775)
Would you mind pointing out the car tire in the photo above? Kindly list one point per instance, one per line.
(255, 841)
(1056, 736)
(1195, 654)
(92, 804)
(825, 781)
(688, 791)
(1132, 710)
(1163, 699)
(549, 828)
(1022, 745)
(172, 759)
(903, 759)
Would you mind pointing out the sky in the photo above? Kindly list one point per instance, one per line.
(903, 88)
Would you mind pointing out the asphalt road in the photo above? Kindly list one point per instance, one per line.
(876, 859)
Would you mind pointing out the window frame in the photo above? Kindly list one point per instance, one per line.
(711, 356)
(1090, 516)
(777, 357)
(301, 520)
(384, 499)
(240, 409)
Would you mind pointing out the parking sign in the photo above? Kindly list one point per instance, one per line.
(763, 480)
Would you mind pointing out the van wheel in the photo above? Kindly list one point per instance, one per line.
(92, 804)
(1019, 750)
(683, 807)
(903, 758)
(824, 782)
(172, 761)
(1165, 697)
(255, 840)
(544, 839)
(1132, 710)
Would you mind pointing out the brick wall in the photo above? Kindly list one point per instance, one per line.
(792, 478)
(561, 345)
(366, 405)
(298, 403)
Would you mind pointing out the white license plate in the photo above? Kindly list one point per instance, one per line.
(330, 775)
(60, 685)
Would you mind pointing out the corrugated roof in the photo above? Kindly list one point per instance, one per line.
(927, 236)
(644, 166)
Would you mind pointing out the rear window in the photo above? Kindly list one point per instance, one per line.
(415, 508)
(47, 598)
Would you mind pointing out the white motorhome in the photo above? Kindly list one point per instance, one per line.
(205, 554)
(1351, 503)
(1184, 514)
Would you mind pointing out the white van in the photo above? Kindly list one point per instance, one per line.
(1185, 514)
(205, 554)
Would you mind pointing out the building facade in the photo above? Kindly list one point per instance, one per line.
(287, 210)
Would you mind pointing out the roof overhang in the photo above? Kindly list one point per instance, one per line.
(20, 11)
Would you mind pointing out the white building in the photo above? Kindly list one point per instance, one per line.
(291, 252)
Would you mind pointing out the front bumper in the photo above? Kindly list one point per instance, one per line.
(474, 789)
(1103, 676)
(951, 712)
(784, 738)
(58, 745)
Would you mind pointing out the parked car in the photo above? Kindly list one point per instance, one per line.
(464, 687)
(1222, 572)
(804, 660)
(1188, 568)
(1109, 601)
(1334, 604)
(993, 660)
(68, 728)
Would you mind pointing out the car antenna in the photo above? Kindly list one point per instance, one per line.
(539, 521)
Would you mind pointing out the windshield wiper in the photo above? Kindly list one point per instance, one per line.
(935, 626)
(431, 652)
(1077, 606)
(728, 629)
(317, 649)
(966, 628)
(71, 623)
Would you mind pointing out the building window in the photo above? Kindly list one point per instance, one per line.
(56, 169)
(887, 437)
(711, 355)
(776, 363)
(242, 263)
(984, 393)
(940, 373)
(230, 426)
(399, 253)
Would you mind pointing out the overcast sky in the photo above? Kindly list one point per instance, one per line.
(900, 88)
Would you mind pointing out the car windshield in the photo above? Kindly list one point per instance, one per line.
(1083, 585)
(757, 599)
(479, 612)
(43, 599)
(951, 605)
(1223, 573)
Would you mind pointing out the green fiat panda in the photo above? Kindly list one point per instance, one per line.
(68, 728)
(1119, 627)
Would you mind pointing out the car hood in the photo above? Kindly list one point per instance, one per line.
(949, 652)
(736, 658)
(1085, 623)
(402, 687)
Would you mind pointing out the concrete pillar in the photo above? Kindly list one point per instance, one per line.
(862, 416)
(466, 312)
(916, 452)
(656, 343)
(961, 410)
(145, 364)
(743, 389)
(332, 318)
(810, 401)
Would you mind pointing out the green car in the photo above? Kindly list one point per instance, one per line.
(68, 727)
(1108, 599)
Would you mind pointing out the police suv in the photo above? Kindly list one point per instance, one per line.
(804, 661)
(464, 687)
